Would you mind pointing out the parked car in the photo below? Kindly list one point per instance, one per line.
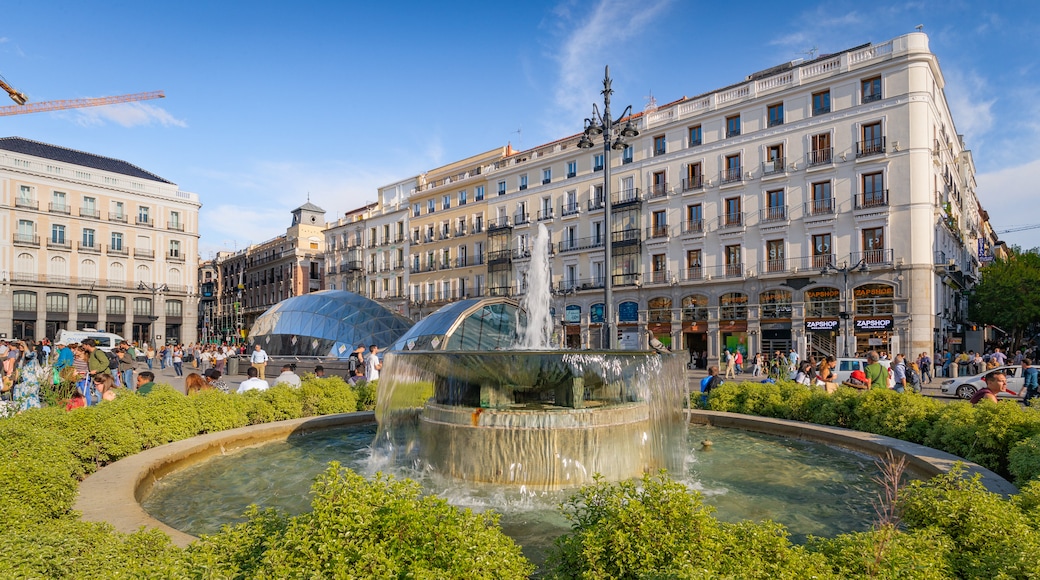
(966, 387)
(843, 368)
(106, 341)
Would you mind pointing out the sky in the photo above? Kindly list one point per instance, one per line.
(271, 103)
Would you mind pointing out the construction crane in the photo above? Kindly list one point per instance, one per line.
(24, 106)
(1018, 229)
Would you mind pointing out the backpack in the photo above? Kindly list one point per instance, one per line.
(113, 360)
(353, 362)
(911, 377)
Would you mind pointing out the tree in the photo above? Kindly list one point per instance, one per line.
(1008, 295)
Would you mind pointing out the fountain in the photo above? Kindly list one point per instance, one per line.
(473, 393)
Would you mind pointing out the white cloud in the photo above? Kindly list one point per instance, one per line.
(127, 115)
(972, 110)
(1008, 195)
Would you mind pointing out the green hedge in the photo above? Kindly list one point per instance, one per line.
(1004, 437)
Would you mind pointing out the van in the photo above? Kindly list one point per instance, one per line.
(106, 341)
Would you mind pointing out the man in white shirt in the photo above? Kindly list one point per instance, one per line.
(259, 360)
(253, 382)
(372, 364)
(288, 377)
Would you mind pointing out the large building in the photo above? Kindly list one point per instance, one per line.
(250, 281)
(93, 242)
(828, 206)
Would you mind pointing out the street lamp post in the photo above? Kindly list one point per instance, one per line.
(614, 135)
(154, 289)
(860, 266)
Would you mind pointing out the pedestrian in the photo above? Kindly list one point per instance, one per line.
(167, 356)
(738, 360)
(899, 374)
(925, 363)
(874, 372)
(1029, 380)
(372, 364)
(149, 354)
(731, 367)
(259, 360)
(996, 383)
(254, 382)
(177, 359)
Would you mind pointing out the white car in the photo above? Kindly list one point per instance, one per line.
(843, 368)
(966, 387)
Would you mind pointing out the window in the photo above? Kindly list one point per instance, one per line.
(774, 159)
(871, 89)
(118, 210)
(775, 114)
(572, 168)
(627, 155)
(820, 149)
(547, 209)
(775, 256)
(597, 162)
(416, 208)
(117, 241)
(732, 171)
(733, 126)
(58, 234)
(501, 188)
(694, 177)
(59, 202)
(570, 203)
(695, 135)
(873, 142)
(821, 251)
(731, 214)
(25, 196)
(57, 302)
(660, 146)
(142, 215)
(478, 193)
(659, 227)
(24, 301)
(446, 202)
(175, 248)
(87, 304)
(546, 175)
(694, 219)
(174, 308)
(142, 306)
(874, 245)
(88, 238)
(734, 266)
(89, 208)
(821, 103)
(431, 206)
(175, 220)
(693, 262)
(874, 193)
(822, 202)
(115, 305)
(523, 182)
(26, 232)
(462, 197)
(775, 208)
(659, 185)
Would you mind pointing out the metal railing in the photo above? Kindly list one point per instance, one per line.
(658, 190)
(875, 146)
(820, 156)
(694, 183)
(774, 166)
(731, 220)
(870, 199)
(576, 244)
(142, 253)
(545, 214)
(89, 213)
(59, 208)
(823, 206)
(625, 196)
(882, 256)
(117, 217)
(570, 209)
(655, 232)
(691, 274)
(26, 203)
(27, 239)
(120, 251)
(692, 227)
(731, 175)
(774, 214)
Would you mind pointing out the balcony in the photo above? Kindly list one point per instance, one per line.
(143, 221)
(817, 157)
(89, 212)
(27, 240)
(461, 262)
(658, 191)
(521, 218)
(658, 277)
(546, 180)
(691, 274)
(25, 203)
(731, 220)
(657, 232)
(576, 244)
(498, 224)
(872, 199)
(62, 244)
(570, 209)
(596, 202)
(478, 227)
(545, 214)
(625, 197)
(117, 251)
(62, 208)
(870, 147)
(774, 166)
(580, 285)
(353, 266)
(92, 247)
(174, 257)
(817, 261)
(694, 183)
(872, 257)
(460, 231)
(500, 257)
(871, 97)
(777, 266)
(571, 174)
(625, 237)
(117, 217)
(731, 175)
(626, 279)
(175, 226)
(505, 291)
(144, 253)
(820, 207)
(774, 214)
(692, 227)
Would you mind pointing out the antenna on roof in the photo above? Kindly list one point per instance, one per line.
(520, 139)
(651, 103)
(811, 53)
(919, 27)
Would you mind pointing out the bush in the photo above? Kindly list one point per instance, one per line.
(220, 412)
(886, 553)
(1024, 459)
(285, 402)
(326, 396)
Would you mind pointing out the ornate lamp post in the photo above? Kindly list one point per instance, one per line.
(614, 134)
(155, 289)
(860, 266)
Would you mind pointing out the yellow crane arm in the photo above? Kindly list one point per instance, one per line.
(16, 96)
(70, 103)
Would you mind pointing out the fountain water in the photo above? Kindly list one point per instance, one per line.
(536, 329)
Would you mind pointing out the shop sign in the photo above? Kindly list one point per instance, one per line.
(572, 314)
(822, 294)
(873, 324)
(596, 313)
(875, 291)
(628, 312)
(826, 325)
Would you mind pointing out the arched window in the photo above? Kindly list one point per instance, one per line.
(25, 266)
(175, 278)
(88, 271)
(174, 308)
(58, 268)
(875, 299)
(694, 308)
(116, 273)
(733, 306)
(143, 274)
(775, 304)
(115, 305)
(87, 304)
(822, 302)
(659, 310)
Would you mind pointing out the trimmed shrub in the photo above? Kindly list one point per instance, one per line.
(1024, 459)
(219, 412)
(887, 553)
(36, 469)
(285, 402)
(327, 396)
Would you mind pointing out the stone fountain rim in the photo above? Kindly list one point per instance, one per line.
(113, 494)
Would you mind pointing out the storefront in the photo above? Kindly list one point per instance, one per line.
(596, 327)
(572, 326)
(659, 319)
(628, 326)
(695, 329)
(775, 316)
(873, 324)
(823, 321)
(733, 322)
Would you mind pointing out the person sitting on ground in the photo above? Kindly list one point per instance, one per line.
(996, 383)
(145, 382)
(288, 377)
(193, 383)
(253, 382)
(212, 377)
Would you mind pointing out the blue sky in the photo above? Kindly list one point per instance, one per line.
(268, 102)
